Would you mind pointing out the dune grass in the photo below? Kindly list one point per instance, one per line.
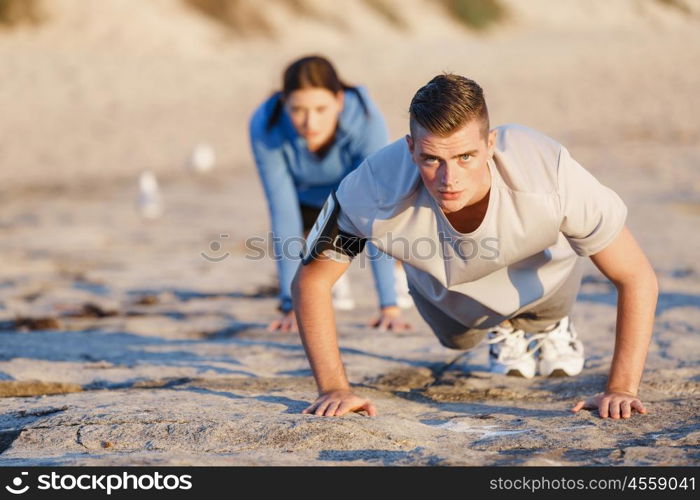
(476, 14)
(388, 12)
(16, 12)
(247, 17)
(241, 16)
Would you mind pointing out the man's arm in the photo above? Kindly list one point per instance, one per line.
(311, 291)
(626, 266)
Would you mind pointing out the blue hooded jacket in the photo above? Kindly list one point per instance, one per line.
(292, 175)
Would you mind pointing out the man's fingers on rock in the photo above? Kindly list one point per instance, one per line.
(626, 410)
(578, 407)
(615, 408)
(321, 408)
(343, 408)
(330, 412)
(310, 409)
(637, 405)
(371, 410)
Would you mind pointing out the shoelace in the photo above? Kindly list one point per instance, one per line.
(510, 337)
(561, 343)
(560, 339)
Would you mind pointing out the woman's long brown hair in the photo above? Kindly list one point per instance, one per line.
(310, 72)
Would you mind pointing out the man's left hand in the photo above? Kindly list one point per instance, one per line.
(612, 404)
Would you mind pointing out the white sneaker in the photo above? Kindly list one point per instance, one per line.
(403, 298)
(509, 353)
(342, 294)
(561, 353)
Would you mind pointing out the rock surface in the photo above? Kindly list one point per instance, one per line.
(122, 344)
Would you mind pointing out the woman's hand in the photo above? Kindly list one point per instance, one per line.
(612, 404)
(286, 324)
(390, 319)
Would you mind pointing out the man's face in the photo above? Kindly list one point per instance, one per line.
(454, 168)
(314, 113)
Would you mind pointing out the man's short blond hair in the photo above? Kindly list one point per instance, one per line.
(447, 103)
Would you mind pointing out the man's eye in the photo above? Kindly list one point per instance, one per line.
(465, 157)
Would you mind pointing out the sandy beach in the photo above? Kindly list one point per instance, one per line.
(121, 344)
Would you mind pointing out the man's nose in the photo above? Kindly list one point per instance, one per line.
(449, 178)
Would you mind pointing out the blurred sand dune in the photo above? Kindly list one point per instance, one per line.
(103, 90)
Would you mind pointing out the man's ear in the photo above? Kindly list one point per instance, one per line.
(491, 142)
(409, 141)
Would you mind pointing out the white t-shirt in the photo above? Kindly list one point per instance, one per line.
(544, 211)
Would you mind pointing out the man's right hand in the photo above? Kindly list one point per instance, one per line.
(286, 324)
(338, 403)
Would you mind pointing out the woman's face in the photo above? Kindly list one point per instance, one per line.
(314, 113)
